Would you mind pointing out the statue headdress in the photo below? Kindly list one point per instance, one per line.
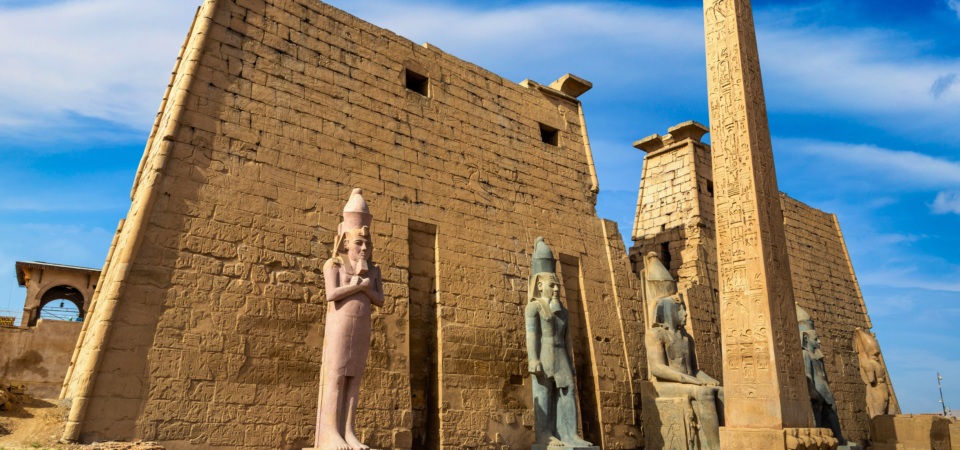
(656, 283)
(542, 265)
(804, 320)
(356, 215)
(356, 218)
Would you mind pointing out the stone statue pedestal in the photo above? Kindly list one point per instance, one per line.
(669, 421)
(786, 439)
(556, 447)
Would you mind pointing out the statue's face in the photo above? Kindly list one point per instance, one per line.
(813, 341)
(358, 247)
(549, 288)
(681, 316)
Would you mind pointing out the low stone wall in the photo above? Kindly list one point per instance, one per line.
(38, 357)
(915, 432)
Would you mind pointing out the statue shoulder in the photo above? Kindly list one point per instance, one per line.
(334, 262)
(532, 308)
(655, 334)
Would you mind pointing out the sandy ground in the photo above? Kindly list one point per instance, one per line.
(38, 424)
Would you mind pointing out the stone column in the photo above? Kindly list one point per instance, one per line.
(763, 374)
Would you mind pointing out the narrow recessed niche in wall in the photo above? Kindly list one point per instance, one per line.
(417, 83)
(549, 135)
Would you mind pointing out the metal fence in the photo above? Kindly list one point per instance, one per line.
(10, 317)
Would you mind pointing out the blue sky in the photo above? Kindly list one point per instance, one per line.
(863, 98)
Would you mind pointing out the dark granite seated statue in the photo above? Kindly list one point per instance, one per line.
(680, 408)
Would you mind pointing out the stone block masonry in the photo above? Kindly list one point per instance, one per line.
(675, 217)
(207, 330)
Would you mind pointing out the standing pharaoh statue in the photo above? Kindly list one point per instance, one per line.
(680, 410)
(880, 400)
(821, 397)
(353, 284)
(548, 344)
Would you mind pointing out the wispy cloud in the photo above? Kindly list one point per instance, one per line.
(946, 202)
(907, 169)
(942, 84)
(954, 5)
(108, 59)
(80, 56)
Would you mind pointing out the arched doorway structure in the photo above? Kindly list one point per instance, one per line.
(47, 283)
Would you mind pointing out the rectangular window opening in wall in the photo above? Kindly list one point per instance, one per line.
(549, 135)
(424, 336)
(417, 83)
(710, 187)
(665, 254)
(571, 278)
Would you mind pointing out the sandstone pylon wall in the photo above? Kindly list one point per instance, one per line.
(675, 209)
(208, 330)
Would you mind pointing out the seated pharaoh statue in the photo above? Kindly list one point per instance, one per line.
(680, 402)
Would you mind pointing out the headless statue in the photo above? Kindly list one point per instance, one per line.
(548, 341)
(874, 374)
(672, 362)
(353, 284)
(821, 397)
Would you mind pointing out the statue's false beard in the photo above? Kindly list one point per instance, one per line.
(555, 305)
(815, 354)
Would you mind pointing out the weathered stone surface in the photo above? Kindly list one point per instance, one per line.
(550, 362)
(38, 357)
(762, 364)
(353, 286)
(276, 111)
(914, 432)
(881, 399)
(675, 219)
(821, 396)
(682, 405)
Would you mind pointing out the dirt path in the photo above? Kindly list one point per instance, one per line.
(38, 424)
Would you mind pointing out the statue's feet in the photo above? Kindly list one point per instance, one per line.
(332, 441)
(552, 441)
(354, 443)
(577, 442)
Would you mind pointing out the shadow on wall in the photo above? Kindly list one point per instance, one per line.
(38, 357)
(31, 361)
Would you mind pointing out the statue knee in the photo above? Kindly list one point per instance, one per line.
(705, 394)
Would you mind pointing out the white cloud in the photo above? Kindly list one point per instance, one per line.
(955, 5)
(859, 70)
(108, 59)
(881, 75)
(901, 169)
(946, 202)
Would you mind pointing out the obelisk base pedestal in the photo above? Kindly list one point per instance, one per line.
(786, 439)
(320, 448)
(554, 447)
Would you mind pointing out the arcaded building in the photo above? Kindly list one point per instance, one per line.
(208, 327)
(676, 219)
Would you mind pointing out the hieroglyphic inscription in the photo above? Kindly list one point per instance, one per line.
(761, 352)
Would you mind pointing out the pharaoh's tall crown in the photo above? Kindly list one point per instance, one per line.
(543, 260)
(356, 214)
(804, 320)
